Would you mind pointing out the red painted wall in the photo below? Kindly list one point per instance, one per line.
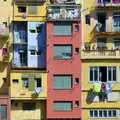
(72, 66)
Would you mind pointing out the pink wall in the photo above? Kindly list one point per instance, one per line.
(72, 66)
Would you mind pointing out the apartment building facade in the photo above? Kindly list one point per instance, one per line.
(63, 60)
(5, 58)
(100, 60)
(28, 77)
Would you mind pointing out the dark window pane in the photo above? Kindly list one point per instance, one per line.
(29, 106)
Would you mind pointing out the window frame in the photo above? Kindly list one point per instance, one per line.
(63, 75)
(98, 72)
(60, 35)
(107, 113)
(29, 103)
(62, 45)
(62, 102)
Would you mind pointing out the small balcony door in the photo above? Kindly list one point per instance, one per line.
(116, 22)
(101, 21)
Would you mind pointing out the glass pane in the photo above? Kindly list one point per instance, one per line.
(95, 113)
(100, 113)
(62, 28)
(109, 113)
(95, 74)
(105, 113)
(62, 52)
(114, 73)
(91, 113)
(114, 113)
(91, 73)
(109, 73)
(63, 106)
(62, 82)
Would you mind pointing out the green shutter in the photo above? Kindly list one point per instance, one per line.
(62, 106)
(62, 28)
(62, 52)
(62, 82)
(32, 9)
(31, 84)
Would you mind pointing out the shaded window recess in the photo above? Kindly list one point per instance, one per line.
(29, 106)
(87, 19)
(38, 82)
(15, 80)
(21, 9)
(101, 17)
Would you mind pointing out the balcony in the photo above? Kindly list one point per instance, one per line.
(108, 3)
(100, 54)
(103, 29)
(63, 12)
(29, 1)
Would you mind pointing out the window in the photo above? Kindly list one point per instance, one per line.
(38, 82)
(23, 58)
(62, 51)
(15, 80)
(62, 81)
(101, 22)
(101, 43)
(21, 9)
(29, 106)
(62, 28)
(32, 52)
(87, 19)
(116, 22)
(25, 82)
(117, 43)
(103, 113)
(103, 74)
(3, 112)
(32, 9)
(62, 106)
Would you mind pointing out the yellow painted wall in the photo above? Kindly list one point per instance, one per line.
(18, 92)
(18, 114)
(6, 11)
(40, 16)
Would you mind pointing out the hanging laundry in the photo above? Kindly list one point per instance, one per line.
(108, 88)
(5, 51)
(97, 87)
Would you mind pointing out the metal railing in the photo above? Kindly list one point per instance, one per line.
(100, 54)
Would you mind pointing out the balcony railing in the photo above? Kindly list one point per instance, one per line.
(100, 54)
(29, 1)
(61, 12)
(108, 3)
(105, 29)
(65, 2)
